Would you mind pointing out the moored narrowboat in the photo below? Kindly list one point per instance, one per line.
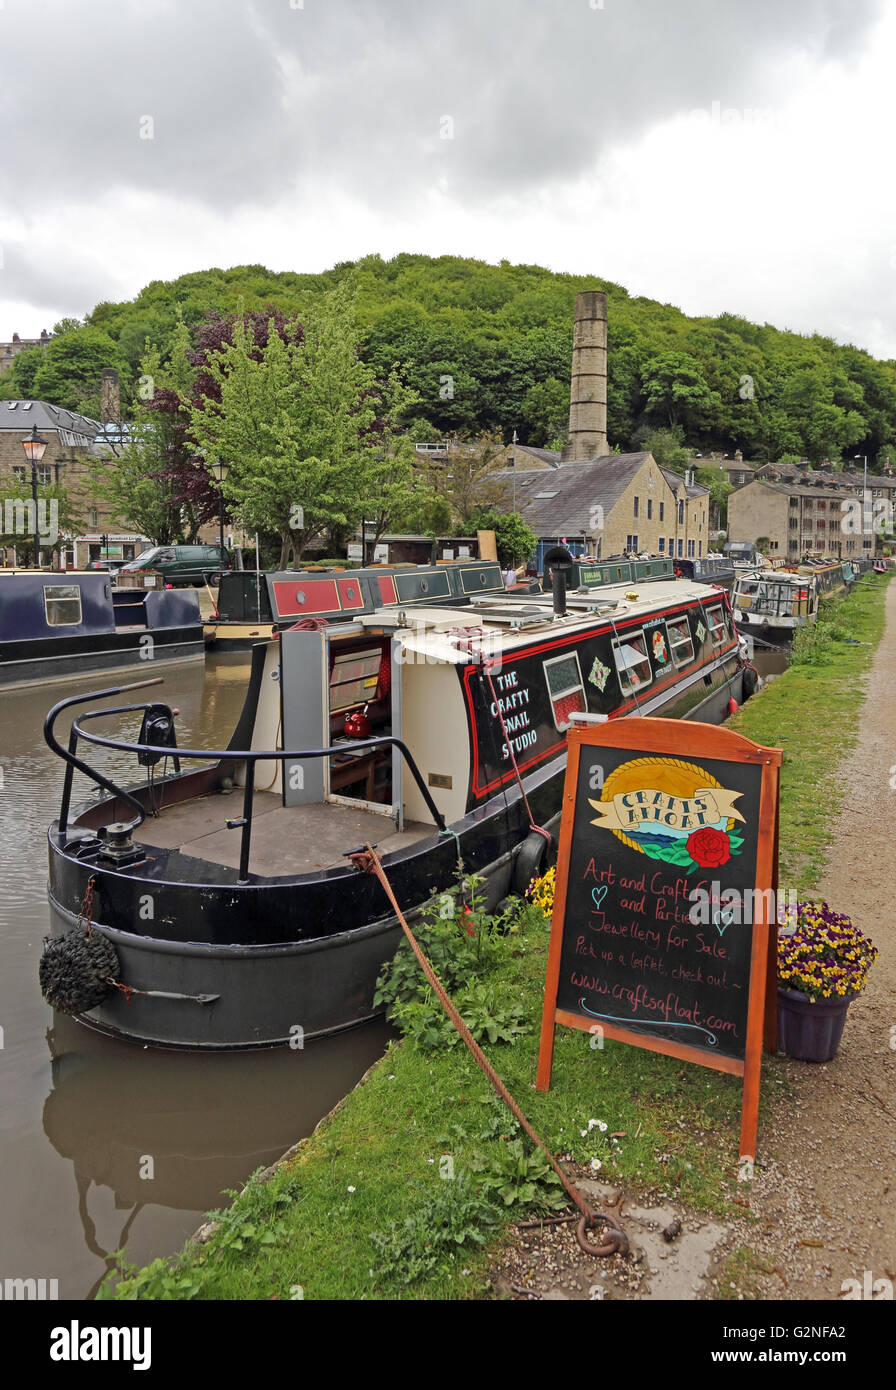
(223, 885)
(255, 605)
(72, 623)
(775, 603)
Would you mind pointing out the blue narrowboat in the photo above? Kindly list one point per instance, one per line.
(56, 625)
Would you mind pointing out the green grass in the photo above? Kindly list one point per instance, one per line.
(812, 713)
(306, 1234)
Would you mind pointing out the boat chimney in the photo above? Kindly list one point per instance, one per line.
(559, 561)
(588, 389)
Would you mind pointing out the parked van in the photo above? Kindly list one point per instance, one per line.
(184, 564)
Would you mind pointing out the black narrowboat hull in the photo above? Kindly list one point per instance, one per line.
(84, 656)
(247, 964)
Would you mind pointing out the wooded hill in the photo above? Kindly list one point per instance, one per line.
(488, 347)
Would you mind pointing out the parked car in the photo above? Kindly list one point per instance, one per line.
(111, 566)
(184, 564)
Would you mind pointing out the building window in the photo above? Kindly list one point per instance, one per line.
(43, 474)
(681, 513)
(671, 547)
(18, 472)
(794, 523)
(690, 550)
(680, 549)
(93, 519)
(662, 511)
(631, 542)
(636, 507)
(650, 509)
(699, 549)
(662, 545)
(794, 502)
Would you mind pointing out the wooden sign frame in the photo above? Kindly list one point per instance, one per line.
(681, 739)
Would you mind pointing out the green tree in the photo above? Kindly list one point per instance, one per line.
(545, 412)
(514, 538)
(667, 449)
(71, 367)
(677, 391)
(301, 424)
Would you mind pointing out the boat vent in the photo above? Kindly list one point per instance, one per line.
(515, 615)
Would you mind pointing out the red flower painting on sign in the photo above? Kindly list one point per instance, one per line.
(709, 848)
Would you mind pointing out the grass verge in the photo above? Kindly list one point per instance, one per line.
(385, 1199)
(812, 713)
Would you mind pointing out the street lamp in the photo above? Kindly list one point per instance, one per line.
(219, 472)
(35, 448)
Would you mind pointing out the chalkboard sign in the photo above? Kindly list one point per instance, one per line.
(665, 898)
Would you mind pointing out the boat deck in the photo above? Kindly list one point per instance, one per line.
(285, 839)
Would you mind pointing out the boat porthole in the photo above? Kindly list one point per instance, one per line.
(300, 596)
(275, 674)
(424, 586)
(483, 580)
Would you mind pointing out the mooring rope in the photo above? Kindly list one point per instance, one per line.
(615, 1238)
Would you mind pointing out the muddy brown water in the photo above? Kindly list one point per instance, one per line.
(103, 1143)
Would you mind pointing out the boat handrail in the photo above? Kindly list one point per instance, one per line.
(250, 757)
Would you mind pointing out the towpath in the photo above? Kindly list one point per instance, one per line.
(823, 1200)
(827, 1197)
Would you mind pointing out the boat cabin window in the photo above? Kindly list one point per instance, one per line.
(632, 662)
(354, 678)
(565, 688)
(717, 628)
(681, 644)
(62, 605)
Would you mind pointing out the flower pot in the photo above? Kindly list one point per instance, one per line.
(810, 1032)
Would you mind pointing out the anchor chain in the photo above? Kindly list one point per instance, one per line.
(615, 1239)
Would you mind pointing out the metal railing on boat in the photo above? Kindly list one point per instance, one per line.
(211, 755)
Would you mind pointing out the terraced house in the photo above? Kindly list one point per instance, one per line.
(811, 511)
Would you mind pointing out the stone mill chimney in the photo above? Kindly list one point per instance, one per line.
(110, 397)
(588, 391)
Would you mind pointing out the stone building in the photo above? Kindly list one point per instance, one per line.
(10, 351)
(612, 504)
(75, 444)
(804, 511)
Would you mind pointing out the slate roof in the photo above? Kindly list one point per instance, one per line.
(578, 487)
(551, 457)
(675, 481)
(20, 416)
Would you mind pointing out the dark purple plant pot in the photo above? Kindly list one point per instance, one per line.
(810, 1032)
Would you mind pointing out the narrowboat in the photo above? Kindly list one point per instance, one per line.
(709, 569)
(223, 886)
(254, 605)
(774, 603)
(72, 623)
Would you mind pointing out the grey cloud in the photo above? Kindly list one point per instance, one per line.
(250, 100)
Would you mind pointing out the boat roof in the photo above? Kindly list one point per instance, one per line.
(508, 620)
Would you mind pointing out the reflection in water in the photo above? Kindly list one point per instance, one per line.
(205, 1122)
(177, 1130)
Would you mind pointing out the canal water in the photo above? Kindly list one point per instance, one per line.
(105, 1144)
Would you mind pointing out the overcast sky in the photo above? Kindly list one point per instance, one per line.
(715, 154)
